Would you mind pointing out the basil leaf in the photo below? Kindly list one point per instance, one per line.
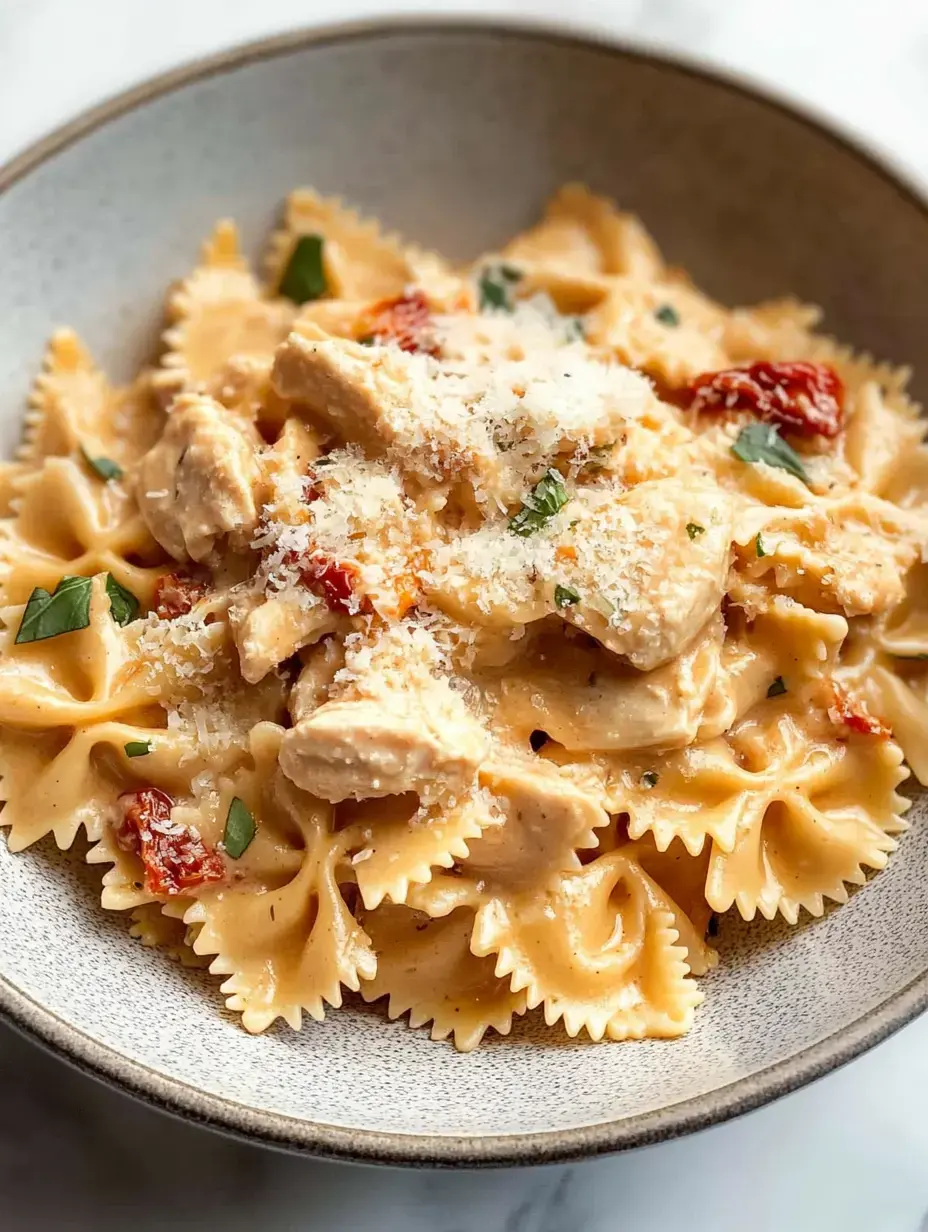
(304, 278)
(124, 607)
(106, 468)
(912, 658)
(137, 748)
(565, 596)
(65, 610)
(693, 529)
(778, 687)
(649, 779)
(545, 500)
(240, 829)
(667, 315)
(761, 442)
(759, 546)
(494, 286)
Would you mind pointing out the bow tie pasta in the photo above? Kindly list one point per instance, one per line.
(467, 638)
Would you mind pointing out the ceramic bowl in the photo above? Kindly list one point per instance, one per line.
(453, 135)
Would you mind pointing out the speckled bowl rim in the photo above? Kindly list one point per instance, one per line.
(447, 1150)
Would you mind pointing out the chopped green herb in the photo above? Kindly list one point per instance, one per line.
(240, 829)
(574, 329)
(124, 607)
(495, 287)
(778, 687)
(761, 442)
(106, 468)
(367, 340)
(137, 748)
(649, 779)
(65, 610)
(912, 658)
(759, 545)
(565, 596)
(304, 278)
(667, 315)
(693, 529)
(545, 500)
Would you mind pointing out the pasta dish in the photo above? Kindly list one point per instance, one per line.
(468, 638)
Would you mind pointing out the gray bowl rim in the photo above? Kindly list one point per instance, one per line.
(313, 1138)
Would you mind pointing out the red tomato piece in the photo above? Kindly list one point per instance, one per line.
(405, 320)
(310, 490)
(330, 580)
(803, 398)
(176, 859)
(855, 715)
(176, 593)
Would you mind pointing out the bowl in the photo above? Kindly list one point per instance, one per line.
(453, 135)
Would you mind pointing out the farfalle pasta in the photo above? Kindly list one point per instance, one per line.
(465, 638)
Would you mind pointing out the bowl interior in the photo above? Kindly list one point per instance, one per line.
(454, 137)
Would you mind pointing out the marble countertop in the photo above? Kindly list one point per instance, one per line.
(850, 1152)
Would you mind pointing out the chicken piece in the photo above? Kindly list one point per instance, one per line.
(641, 572)
(649, 569)
(583, 698)
(274, 629)
(490, 424)
(349, 386)
(541, 817)
(397, 727)
(357, 750)
(198, 483)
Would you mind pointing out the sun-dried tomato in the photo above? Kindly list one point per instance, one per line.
(806, 399)
(176, 593)
(176, 859)
(310, 490)
(331, 580)
(405, 320)
(854, 714)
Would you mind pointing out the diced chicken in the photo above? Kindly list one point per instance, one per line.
(650, 569)
(489, 577)
(357, 750)
(543, 816)
(198, 484)
(345, 384)
(641, 572)
(274, 629)
(396, 727)
(490, 424)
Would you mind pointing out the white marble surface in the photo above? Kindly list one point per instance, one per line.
(851, 1152)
